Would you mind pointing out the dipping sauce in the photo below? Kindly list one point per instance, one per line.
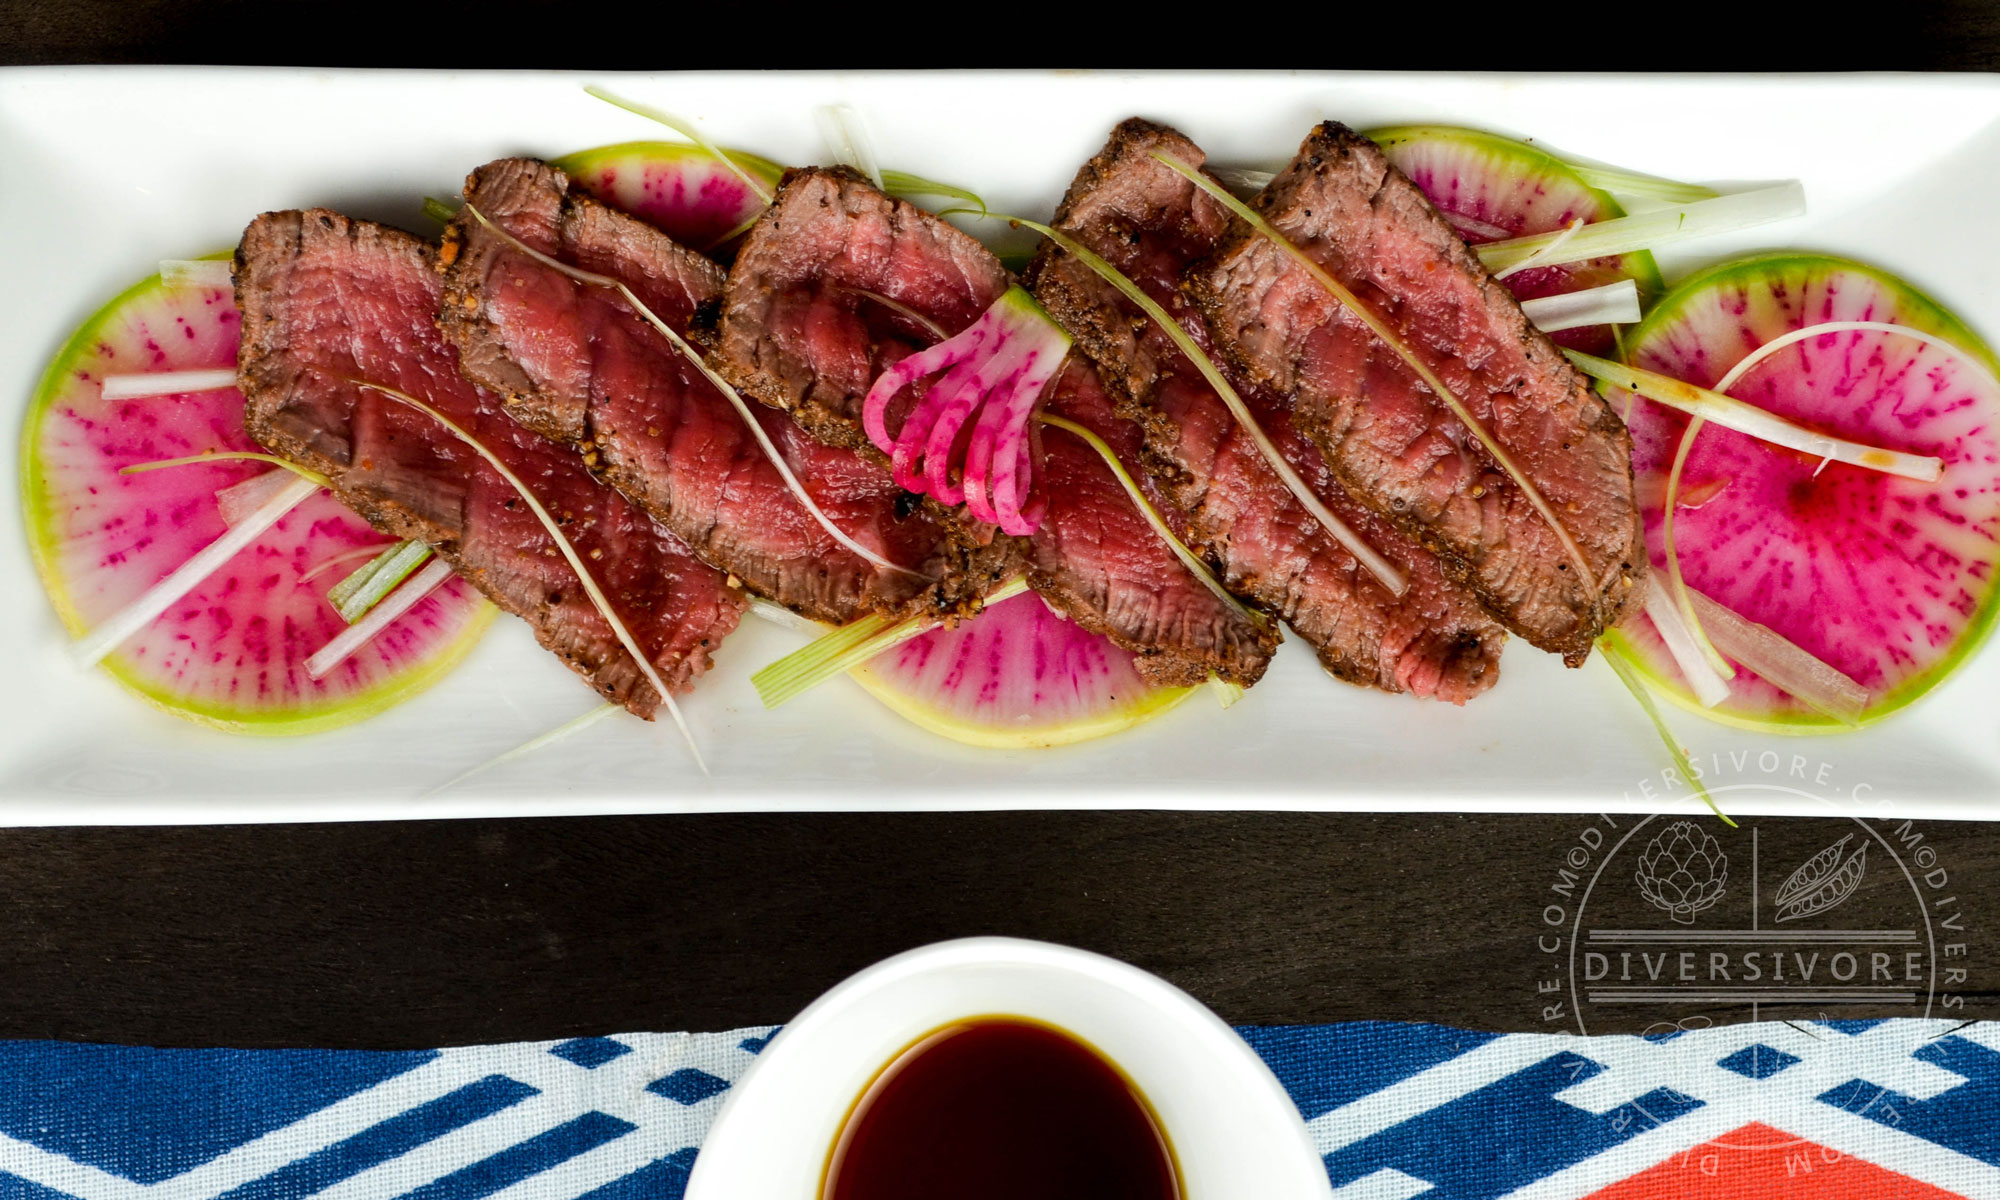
(1001, 1108)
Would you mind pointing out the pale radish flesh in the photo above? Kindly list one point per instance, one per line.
(683, 190)
(229, 651)
(1887, 581)
(1015, 676)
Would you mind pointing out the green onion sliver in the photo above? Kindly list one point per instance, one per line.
(1630, 678)
(847, 648)
(690, 131)
(365, 587)
(1620, 182)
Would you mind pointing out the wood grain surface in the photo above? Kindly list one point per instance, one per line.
(414, 934)
(419, 934)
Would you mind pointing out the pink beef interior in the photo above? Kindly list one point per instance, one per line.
(328, 301)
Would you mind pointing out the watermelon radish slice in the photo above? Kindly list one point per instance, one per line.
(1017, 676)
(679, 188)
(1890, 581)
(232, 652)
(1493, 188)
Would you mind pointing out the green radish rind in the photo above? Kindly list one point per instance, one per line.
(1639, 646)
(46, 522)
(1553, 192)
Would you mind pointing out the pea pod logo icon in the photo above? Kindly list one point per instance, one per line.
(1824, 882)
(1682, 871)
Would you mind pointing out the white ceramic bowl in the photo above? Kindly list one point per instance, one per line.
(1235, 1133)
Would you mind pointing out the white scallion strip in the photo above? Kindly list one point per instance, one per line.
(1195, 566)
(1387, 573)
(1612, 304)
(688, 130)
(1226, 693)
(361, 591)
(1620, 182)
(1783, 663)
(1630, 678)
(778, 614)
(722, 385)
(1585, 578)
(541, 741)
(1676, 582)
(847, 648)
(1650, 231)
(92, 648)
(1545, 255)
(196, 272)
(1749, 419)
(583, 575)
(165, 383)
(1709, 686)
(357, 635)
(847, 142)
(1244, 181)
(239, 502)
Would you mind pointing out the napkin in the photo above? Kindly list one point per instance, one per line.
(1830, 1110)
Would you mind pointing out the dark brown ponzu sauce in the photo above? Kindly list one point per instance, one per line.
(1001, 1108)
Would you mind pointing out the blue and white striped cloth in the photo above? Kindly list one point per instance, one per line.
(1399, 1111)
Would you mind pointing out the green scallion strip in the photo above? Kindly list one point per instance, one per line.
(1630, 678)
(847, 648)
(1621, 182)
(228, 456)
(365, 587)
(690, 131)
(902, 183)
(444, 212)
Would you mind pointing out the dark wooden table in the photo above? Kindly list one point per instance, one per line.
(414, 934)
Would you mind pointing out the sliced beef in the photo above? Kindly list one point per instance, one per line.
(329, 304)
(1388, 438)
(1152, 224)
(576, 362)
(802, 327)
(1098, 559)
(838, 281)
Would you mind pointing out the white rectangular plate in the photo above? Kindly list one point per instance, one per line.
(105, 171)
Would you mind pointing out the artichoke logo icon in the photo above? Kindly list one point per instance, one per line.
(1682, 871)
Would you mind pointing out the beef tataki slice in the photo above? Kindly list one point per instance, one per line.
(1392, 441)
(1098, 559)
(328, 304)
(801, 327)
(1434, 640)
(576, 362)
